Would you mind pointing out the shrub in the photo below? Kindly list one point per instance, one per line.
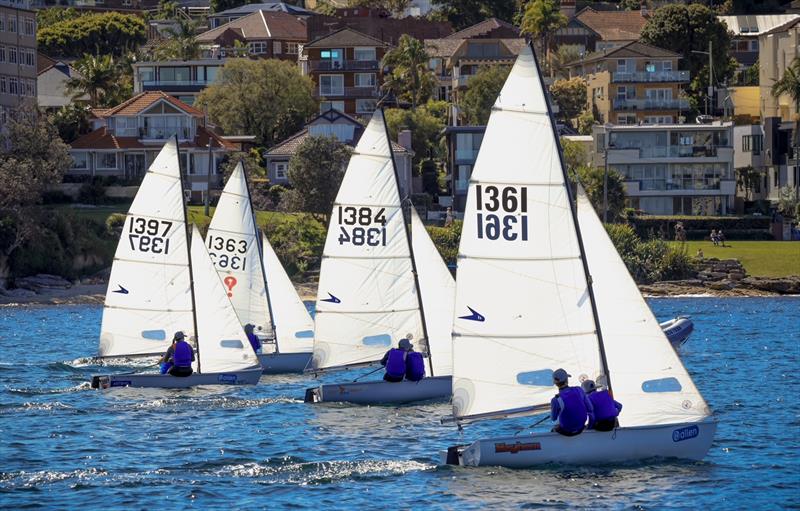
(446, 240)
(92, 192)
(114, 224)
(652, 260)
(55, 197)
(298, 240)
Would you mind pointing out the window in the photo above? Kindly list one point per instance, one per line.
(622, 66)
(462, 182)
(2, 23)
(30, 88)
(624, 92)
(258, 47)
(331, 59)
(12, 54)
(365, 106)
(12, 86)
(2, 54)
(658, 94)
(658, 119)
(147, 74)
(107, 161)
(365, 79)
(277, 47)
(331, 85)
(324, 106)
(754, 45)
(282, 170)
(291, 48)
(80, 160)
(175, 74)
(364, 54)
(666, 65)
(126, 126)
(626, 119)
(28, 27)
(12, 24)
(28, 58)
(3, 86)
(752, 143)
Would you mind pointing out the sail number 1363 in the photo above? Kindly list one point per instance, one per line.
(502, 212)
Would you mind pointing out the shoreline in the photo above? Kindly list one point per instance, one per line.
(94, 294)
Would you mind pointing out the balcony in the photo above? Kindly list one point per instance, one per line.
(344, 65)
(679, 151)
(349, 92)
(175, 85)
(651, 104)
(654, 77)
(154, 133)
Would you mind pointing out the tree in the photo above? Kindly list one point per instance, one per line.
(97, 76)
(181, 43)
(565, 54)
(426, 124)
(107, 33)
(482, 90)
(392, 6)
(315, 172)
(53, 15)
(788, 201)
(410, 76)
(464, 13)
(789, 84)
(267, 98)
(592, 180)
(570, 95)
(687, 28)
(574, 156)
(540, 20)
(71, 121)
(747, 179)
(224, 5)
(585, 122)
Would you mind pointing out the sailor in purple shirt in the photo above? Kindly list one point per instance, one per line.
(570, 407)
(606, 409)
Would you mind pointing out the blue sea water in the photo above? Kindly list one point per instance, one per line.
(64, 445)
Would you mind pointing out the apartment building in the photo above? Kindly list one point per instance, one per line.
(672, 169)
(261, 34)
(345, 67)
(634, 83)
(181, 79)
(455, 59)
(220, 18)
(17, 55)
(746, 29)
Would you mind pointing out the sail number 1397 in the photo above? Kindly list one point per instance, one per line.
(502, 212)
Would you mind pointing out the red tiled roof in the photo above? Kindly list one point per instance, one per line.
(145, 100)
(100, 139)
(261, 25)
(289, 146)
(486, 27)
(345, 37)
(613, 25)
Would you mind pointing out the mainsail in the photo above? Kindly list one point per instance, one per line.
(523, 307)
(648, 377)
(293, 323)
(438, 290)
(232, 241)
(367, 298)
(221, 342)
(149, 293)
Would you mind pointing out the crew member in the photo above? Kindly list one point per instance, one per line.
(253, 338)
(415, 364)
(570, 407)
(606, 409)
(177, 361)
(395, 361)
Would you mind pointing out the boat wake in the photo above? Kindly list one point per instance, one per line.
(111, 362)
(322, 472)
(218, 403)
(33, 406)
(23, 479)
(33, 391)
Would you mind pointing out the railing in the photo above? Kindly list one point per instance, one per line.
(175, 83)
(677, 184)
(164, 133)
(650, 104)
(343, 65)
(350, 92)
(680, 151)
(656, 76)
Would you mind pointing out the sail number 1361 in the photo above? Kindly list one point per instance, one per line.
(502, 212)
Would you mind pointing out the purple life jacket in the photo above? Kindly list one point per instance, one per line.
(415, 366)
(184, 355)
(573, 410)
(396, 363)
(604, 407)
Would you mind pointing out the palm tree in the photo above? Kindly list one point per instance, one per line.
(181, 41)
(97, 75)
(410, 78)
(540, 20)
(790, 84)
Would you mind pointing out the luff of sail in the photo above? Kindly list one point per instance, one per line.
(367, 297)
(523, 307)
(438, 289)
(649, 378)
(221, 342)
(232, 242)
(149, 291)
(293, 323)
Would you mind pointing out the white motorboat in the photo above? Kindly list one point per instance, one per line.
(678, 330)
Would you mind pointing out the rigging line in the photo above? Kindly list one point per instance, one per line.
(154, 263)
(153, 217)
(217, 229)
(356, 312)
(527, 336)
(496, 258)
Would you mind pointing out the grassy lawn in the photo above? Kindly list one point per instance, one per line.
(760, 258)
(94, 213)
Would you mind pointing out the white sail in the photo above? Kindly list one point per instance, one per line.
(522, 304)
(221, 342)
(647, 376)
(367, 298)
(232, 242)
(438, 290)
(149, 291)
(293, 323)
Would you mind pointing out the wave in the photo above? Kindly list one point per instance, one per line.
(219, 403)
(321, 472)
(23, 479)
(112, 362)
(34, 406)
(43, 392)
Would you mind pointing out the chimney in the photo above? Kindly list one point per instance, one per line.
(404, 139)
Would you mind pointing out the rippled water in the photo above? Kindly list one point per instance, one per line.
(63, 445)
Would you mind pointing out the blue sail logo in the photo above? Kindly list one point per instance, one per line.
(475, 316)
(121, 290)
(332, 299)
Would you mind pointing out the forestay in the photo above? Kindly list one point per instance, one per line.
(522, 305)
(232, 241)
(293, 323)
(647, 375)
(149, 291)
(222, 344)
(438, 290)
(367, 298)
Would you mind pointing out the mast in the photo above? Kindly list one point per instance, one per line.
(260, 247)
(188, 249)
(410, 246)
(571, 199)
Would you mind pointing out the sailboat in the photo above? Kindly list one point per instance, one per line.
(369, 293)
(541, 287)
(161, 284)
(256, 282)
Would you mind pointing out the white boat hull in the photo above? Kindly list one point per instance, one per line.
(689, 441)
(166, 381)
(280, 363)
(382, 392)
(678, 330)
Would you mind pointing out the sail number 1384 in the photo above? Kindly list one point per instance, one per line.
(502, 212)
(362, 226)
